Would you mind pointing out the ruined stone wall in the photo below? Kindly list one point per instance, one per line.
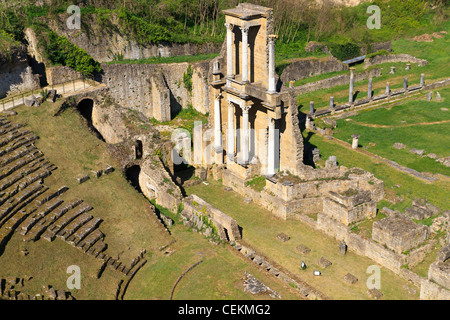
(61, 74)
(392, 58)
(16, 75)
(156, 183)
(307, 67)
(131, 85)
(194, 205)
(432, 291)
(106, 45)
(339, 80)
(291, 139)
(359, 245)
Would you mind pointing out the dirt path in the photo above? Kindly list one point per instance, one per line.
(401, 125)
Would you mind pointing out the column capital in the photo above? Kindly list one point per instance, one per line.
(244, 29)
(229, 26)
(245, 108)
(270, 121)
(273, 38)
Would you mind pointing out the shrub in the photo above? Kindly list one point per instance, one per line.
(345, 51)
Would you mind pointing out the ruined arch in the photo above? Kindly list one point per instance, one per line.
(132, 173)
(85, 106)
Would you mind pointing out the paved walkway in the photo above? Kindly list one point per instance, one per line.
(62, 89)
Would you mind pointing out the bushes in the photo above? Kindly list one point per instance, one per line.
(60, 51)
(141, 31)
(378, 53)
(345, 51)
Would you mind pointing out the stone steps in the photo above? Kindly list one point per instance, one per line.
(62, 222)
(39, 214)
(84, 231)
(72, 227)
(18, 153)
(39, 228)
(90, 240)
(19, 200)
(12, 167)
(20, 174)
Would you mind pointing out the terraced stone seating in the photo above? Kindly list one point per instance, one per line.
(66, 219)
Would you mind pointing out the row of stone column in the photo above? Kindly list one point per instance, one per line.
(369, 90)
(245, 62)
(231, 146)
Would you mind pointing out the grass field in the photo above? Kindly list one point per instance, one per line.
(260, 228)
(418, 124)
(436, 53)
(66, 141)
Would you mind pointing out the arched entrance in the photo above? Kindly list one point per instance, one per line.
(85, 108)
(132, 174)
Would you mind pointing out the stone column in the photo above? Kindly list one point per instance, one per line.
(388, 89)
(271, 148)
(272, 83)
(392, 70)
(230, 132)
(230, 72)
(217, 129)
(245, 134)
(331, 103)
(405, 83)
(408, 66)
(369, 89)
(355, 141)
(311, 107)
(422, 79)
(350, 91)
(244, 54)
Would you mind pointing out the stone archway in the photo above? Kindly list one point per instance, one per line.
(85, 107)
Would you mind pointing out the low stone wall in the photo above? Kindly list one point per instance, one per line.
(156, 183)
(432, 291)
(61, 74)
(227, 227)
(359, 245)
(340, 80)
(393, 58)
(307, 67)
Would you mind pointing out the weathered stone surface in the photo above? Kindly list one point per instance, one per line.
(324, 263)
(399, 233)
(283, 237)
(350, 278)
(82, 178)
(303, 249)
(399, 145)
(374, 293)
(419, 152)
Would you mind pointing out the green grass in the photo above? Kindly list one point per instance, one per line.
(400, 183)
(260, 228)
(437, 53)
(403, 123)
(257, 183)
